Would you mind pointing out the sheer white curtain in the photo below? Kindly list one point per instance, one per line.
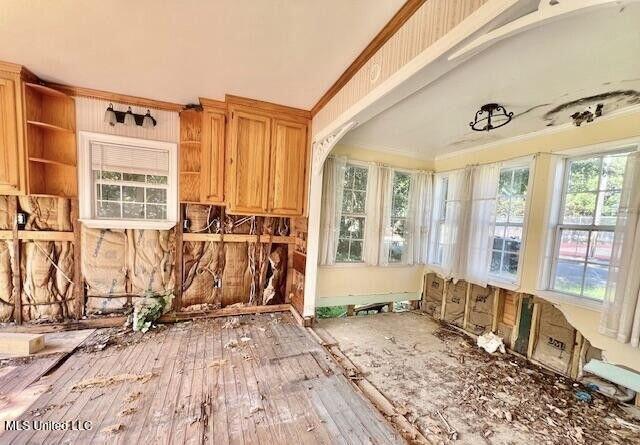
(378, 183)
(448, 223)
(482, 221)
(384, 200)
(621, 311)
(332, 191)
(420, 204)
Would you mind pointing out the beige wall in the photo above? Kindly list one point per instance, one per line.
(354, 280)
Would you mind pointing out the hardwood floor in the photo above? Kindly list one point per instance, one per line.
(260, 379)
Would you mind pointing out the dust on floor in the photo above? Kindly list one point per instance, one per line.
(436, 374)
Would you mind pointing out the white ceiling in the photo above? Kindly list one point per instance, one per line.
(530, 74)
(284, 51)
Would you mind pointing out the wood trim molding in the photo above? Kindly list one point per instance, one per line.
(267, 106)
(392, 26)
(116, 97)
(213, 104)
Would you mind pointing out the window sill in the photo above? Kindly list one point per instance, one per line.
(508, 285)
(127, 224)
(560, 298)
(363, 265)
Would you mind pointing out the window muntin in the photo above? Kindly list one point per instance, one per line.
(510, 213)
(399, 215)
(584, 236)
(353, 218)
(122, 195)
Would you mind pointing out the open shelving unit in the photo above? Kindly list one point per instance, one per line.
(51, 141)
(190, 155)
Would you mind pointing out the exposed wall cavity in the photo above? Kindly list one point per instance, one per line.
(612, 101)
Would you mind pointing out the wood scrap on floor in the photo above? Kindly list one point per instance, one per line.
(433, 371)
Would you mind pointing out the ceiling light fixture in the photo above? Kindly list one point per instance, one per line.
(129, 118)
(490, 117)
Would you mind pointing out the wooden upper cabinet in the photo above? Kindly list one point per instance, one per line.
(288, 168)
(213, 157)
(249, 146)
(12, 180)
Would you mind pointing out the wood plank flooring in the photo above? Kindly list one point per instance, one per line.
(253, 379)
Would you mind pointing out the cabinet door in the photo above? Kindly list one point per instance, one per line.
(213, 145)
(9, 143)
(249, 162)
(288, 167)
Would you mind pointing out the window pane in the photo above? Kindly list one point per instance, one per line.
(110, 192)
(105, 209)
(156, 211)
(400, 202)
(133, 211)
(569, 277)
(510, 263)
(349, 177)
(157, 196)
(112, 176)
(613, 168)
(573, 244)
(607, 209)
(395, 251)
(356, 251)
(496, 256)
(342, 254)
(579, 208)
(513, 239)
(157, 179)
(398, 227)
(132, 194)
(516, 210)
(133, 177)
(595, 283)
(502, 210)
(601, 247)
(520, 181)
(505, 183)
(584, 175)
(351, 227)
(360, 179)
(498, 238)
(359, 202)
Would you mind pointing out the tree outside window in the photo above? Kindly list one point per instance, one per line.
(353, 218)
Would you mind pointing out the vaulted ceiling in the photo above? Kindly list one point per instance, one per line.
(536, 75)
(288, 52)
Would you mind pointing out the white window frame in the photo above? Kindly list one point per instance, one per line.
(500, 280)
(86, 190)
(582, 227)
(405, 218)
(362, 215)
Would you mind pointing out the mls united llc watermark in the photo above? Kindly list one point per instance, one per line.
(47, 425)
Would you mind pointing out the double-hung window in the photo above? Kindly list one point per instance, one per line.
(584, 236)
(510, 214)
(353, 216)
(127, 182)
(399, 215)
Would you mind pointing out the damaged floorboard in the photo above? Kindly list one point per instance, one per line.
(247, 379)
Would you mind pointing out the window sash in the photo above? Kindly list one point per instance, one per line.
(351, 188)
(589, 228)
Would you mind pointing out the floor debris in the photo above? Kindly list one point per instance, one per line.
(100, 382)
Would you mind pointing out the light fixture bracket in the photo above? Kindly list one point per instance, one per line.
(490, 116)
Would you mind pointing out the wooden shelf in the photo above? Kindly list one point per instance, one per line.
(51, 161)
(42, 89)
(47, 126)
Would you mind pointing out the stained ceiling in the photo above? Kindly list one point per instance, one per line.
(542, 75)
(284, 51)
